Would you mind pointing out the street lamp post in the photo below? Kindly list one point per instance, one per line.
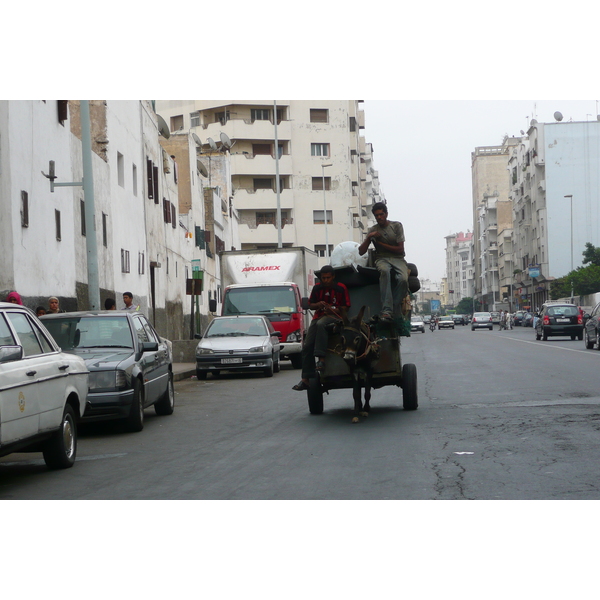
(325, 209)
(570, 196)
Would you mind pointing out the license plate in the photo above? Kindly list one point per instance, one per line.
(563, 320)
(230, 361)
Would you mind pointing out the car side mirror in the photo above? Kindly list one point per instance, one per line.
(197, 336)
(305, 305)
(10, 353)
(149, 347)
(212, 305)
(277, 333)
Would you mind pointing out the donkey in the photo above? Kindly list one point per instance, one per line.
(358, 349)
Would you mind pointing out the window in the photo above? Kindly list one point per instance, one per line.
(317, 183)
(222, 117)
(195, 119)
(177, 123)
(120, 169)
(124, 261)
(263, 184)
(141, 263)
(155, 182)
(82, 214)
(57, 224)
(142, 334)
(24, 209)
(63, 110)
(166, 210)
(260, 114)
(319, 115)
(150, 178)
(320, 249)
(266, 218)
(319, 219)
(134, 176)
(173, 216)
(319, 149)
(262, 149)
(105, 230)
(25, 333)
(352, 123)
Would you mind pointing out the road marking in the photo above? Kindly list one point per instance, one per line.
(537, 343)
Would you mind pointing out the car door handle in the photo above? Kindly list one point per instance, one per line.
(63, 368)
(31, 373)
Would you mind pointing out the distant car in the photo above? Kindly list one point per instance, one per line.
(417, 324)
(427, 319)
(592, 328)
(446, 322)
(527, 320)
(495, 317)
(238, 343)
(459, 319)
(42, 390)
(482, 320)
(131, 366)
(518, 317)
(559, 319)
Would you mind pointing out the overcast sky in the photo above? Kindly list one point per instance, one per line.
(422, 150)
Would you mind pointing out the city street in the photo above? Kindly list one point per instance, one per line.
(501, 416)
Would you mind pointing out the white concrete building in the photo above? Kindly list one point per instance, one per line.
(555, 191)
(459, 267)
(324, 166)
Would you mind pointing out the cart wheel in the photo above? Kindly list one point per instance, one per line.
(409, 387)
(315, 396)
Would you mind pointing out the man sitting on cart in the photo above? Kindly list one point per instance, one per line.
(330, 300)
(388, 240)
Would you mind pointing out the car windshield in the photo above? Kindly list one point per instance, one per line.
(416, 319)
(482, 314)
(236, 327)
(259, 300)
(562, 311)
(90, 332)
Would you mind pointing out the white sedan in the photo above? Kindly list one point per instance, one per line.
(417, 324)
(43, 390)
(238, 343)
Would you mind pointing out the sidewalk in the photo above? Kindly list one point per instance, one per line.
(183, 371)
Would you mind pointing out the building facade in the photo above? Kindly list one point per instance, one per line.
(459, 267)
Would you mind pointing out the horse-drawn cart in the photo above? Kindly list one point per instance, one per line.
(375, 360)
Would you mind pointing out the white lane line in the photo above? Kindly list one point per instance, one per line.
(543, 345)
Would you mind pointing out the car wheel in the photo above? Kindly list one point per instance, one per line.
(545, 336)
(580, 336)
(410, 399)
(276, 365)
(472, 328)
(135, 419)
(166, 404)
(60, 450)
(200, 374)
(597, 340)
(491, 328)
(269, 370)
(589, 344)
(296, 360)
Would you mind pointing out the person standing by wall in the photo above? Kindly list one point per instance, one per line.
(128, 300)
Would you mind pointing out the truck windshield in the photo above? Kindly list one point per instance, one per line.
(259, 300)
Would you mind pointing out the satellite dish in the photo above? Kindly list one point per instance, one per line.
(196, 139)
(163, 128)
(225, 141)
(522, 132)
(212, 144)
(533, 122)
(202, 168)
(558, 116)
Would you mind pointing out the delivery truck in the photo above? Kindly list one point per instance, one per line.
(271, 282)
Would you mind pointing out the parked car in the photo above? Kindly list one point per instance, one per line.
(518, 317)
(238, 343)
(459, 319)
(446, 322)
(42, 390)
(482, 320)
(527, 320)
(417, 324)
(559, 319)
(131, 366)
(495, 317)
(427, 319)
(592, 328)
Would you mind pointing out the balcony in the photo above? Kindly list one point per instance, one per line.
(259, 164)
(240, 129)
(266, 234)
(244, 199)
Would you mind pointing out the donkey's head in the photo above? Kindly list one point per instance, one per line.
(354, 339)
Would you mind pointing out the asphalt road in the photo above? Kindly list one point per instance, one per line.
(501, 416)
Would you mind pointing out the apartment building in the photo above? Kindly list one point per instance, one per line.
(327, 181)
(491, 213)
(555, 191)
(143, 243)
(459, 267)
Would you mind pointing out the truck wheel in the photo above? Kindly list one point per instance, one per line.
(296, 360)
(60, 450)
(410, 399)
(135, 420)
(166, 404)
(315, 396)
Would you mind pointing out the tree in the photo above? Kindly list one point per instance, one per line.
(591, 255)
(465, 306)
(585, 280)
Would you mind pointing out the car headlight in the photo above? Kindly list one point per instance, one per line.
(204, 351)
(295, 336)
(107, 380)
(258, 349)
